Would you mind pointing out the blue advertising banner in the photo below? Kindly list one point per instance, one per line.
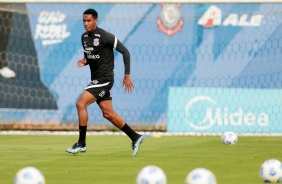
(224, 109)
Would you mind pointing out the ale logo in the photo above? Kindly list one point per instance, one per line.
(213, 17)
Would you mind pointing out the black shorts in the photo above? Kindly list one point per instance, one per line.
(100, 89)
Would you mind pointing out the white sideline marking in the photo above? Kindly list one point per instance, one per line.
(148, 134)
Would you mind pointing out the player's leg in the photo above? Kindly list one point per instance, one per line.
(81, 105)
(117, 120)
(83, 102)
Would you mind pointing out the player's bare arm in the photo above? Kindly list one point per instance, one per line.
(127, 83)
(81, 62)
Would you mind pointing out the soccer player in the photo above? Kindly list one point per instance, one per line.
(98, 46)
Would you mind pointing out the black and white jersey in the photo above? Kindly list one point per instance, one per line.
(98, 51)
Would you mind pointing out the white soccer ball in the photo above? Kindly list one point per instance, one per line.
(151, 174)
(271, 171)
(29, 175)
(200, 176)
(229, 138)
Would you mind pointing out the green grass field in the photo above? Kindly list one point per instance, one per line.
(108, 159)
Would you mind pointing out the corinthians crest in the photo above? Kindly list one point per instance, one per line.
(170, 21)
(96, 42)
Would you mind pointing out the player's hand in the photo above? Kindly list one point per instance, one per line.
(127, 83)
(81, 62)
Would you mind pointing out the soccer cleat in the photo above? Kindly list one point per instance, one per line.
(7, 72)
(136, 145)
(76, 149)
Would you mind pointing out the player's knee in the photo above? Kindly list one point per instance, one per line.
(108, 115)
(80, 105)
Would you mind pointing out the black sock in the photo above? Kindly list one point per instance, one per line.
(82, 135)
(130, 133)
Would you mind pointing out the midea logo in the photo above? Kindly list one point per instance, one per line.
(214, 115)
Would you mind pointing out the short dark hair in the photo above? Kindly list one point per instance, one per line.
(92, 12)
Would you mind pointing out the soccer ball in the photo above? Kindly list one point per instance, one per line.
(200, 176)
(229, 138)
(151, 175)
(271, 171)
(29, 175)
